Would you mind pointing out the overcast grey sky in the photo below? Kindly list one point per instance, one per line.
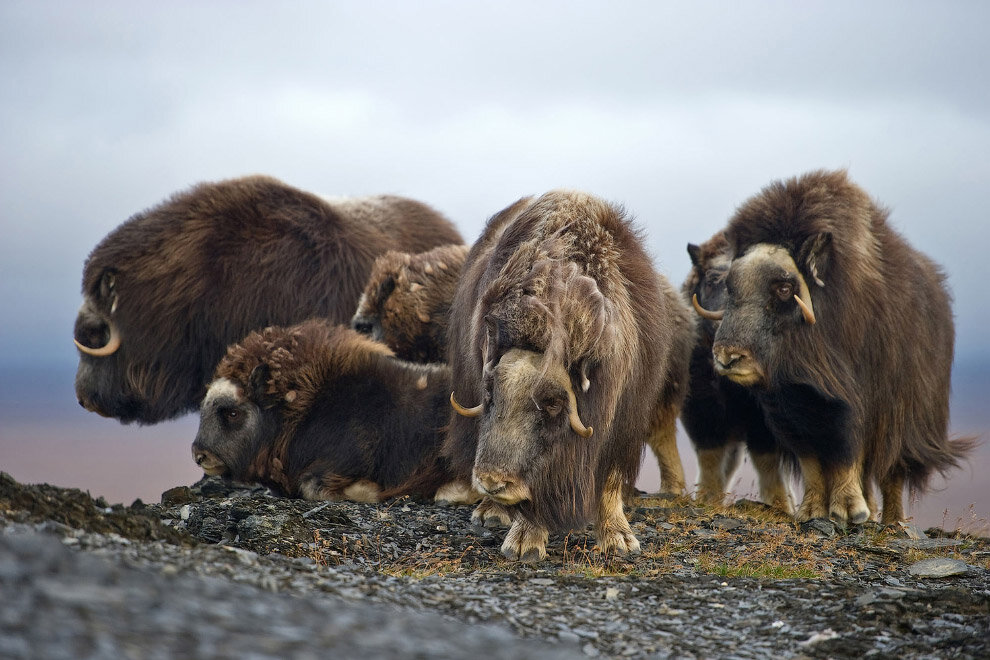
(678, 110)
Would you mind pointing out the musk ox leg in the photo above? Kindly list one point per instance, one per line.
(335, 487)
(870, 496)
(773, 487)
(663, 441)
(611, 527)
(491, 514)
(526, 541)
(715, 469)
(815, 502)
(847, 501)
(892, 492)
(457, 492)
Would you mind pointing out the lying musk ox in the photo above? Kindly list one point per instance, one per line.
(167, 291)
(844, 333)
(321, 412)
(406, 301)
(570, 351)
(720, 416)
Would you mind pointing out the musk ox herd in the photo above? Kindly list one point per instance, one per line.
(358, 349)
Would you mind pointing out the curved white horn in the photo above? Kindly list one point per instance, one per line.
(576, 424)
(466, 412)
(809, 315)
(107, 349)
(704, 313)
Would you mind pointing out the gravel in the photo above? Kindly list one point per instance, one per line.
(228, 570)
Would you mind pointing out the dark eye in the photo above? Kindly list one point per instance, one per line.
(552, 407)
(784, 290)
(231, 414)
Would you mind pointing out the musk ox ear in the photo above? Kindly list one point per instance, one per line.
(694, 251)
(108, 282)
(258, 383)
(496, 339)
(816, 254)
(386, 288)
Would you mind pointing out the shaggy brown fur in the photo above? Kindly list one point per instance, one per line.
(406, 302)
(565, 277)
(332, 409)
(877, 362)
(183, 280)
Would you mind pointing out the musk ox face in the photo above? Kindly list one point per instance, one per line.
(407, 299)
(117, 374)
(766, 297)
(371, 308)
(530, 406)
(232, 429)
(706, 284)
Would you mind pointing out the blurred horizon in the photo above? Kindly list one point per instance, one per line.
(48, 438)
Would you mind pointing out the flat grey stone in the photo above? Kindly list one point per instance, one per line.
(938, 567)
(923, 544)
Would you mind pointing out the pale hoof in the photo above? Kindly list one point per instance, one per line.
(491, 514)
(620, 543)
(525, 543)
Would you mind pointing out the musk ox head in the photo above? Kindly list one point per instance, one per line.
(767, 299)
(532, 406)
(407, 300)
(705, 284)
(233, 426)
(803, 254)
(121, 369)
(254, 387)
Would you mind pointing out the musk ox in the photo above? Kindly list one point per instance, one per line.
(844, 334)
(720, 416)
(321, 412)
(407, 299)
(570, 351)
(167, 291)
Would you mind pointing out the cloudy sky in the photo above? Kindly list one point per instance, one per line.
(679, 111)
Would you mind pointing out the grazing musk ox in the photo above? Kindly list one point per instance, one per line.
(167, 291)
(406, 301)
(571, 351)
(720, 416)
(844, 333)
(321, 412)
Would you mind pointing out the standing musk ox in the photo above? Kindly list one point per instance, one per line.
(571, 351)
(844, 334)
(720, 416)
(406, 303)
(321, 412)
(167, 291)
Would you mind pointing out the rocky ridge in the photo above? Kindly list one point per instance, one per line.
(228, 570)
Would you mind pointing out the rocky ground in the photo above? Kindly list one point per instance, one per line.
(227, 570)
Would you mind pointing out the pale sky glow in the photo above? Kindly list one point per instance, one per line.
(678, 111)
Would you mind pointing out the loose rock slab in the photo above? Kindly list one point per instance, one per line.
(938, 567)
